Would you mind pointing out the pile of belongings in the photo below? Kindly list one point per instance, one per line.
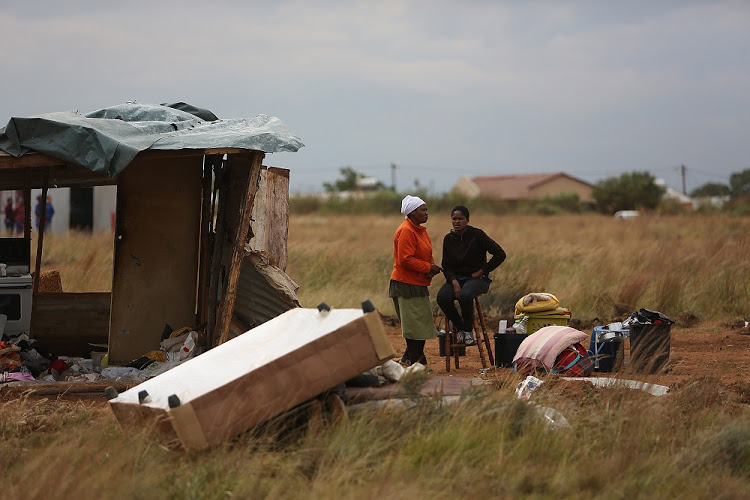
(26, 360)
(556, 349)
(22, 358)
(647, 317)
(538, 305)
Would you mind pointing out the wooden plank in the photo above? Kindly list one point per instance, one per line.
(226, 306)
(270, 223)
(67, 322)
(152, 154)
(156, 253)
(28, 160)
(63, 388)
(58, 176)
(221, 190)
(203, 281)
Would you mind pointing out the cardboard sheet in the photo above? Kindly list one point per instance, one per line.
(258, 375)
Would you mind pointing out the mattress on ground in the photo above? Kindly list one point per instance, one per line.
(256, 376)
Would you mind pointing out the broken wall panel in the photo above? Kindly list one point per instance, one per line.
(270, 223)
(156, 253)
(256, 376)
(263, 292)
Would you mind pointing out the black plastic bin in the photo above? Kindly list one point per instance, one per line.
(649, 347)
(506, 345)
(441, 341)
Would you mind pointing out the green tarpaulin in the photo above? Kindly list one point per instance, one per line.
(107, 140)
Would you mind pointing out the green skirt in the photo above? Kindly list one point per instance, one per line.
(415, 315)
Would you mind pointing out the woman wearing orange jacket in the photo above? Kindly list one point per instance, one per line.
(413, 269)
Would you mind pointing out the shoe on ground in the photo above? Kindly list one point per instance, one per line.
(459, 337)
(469, 338)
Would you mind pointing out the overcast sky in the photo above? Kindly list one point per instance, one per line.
(441, 88)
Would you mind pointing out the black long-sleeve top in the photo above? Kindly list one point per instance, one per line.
(467, 253)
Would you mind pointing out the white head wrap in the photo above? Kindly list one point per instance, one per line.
(410, 203)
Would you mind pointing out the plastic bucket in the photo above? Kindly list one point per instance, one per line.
(649, 348)
(506, 345)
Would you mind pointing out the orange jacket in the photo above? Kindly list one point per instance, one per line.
(412, 254)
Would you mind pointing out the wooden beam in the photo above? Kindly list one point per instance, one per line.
(39, 243)
(27, 207)
(221, 191)
(203, 275)
(226, 306)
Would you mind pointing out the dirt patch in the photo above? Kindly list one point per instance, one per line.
(717, 349)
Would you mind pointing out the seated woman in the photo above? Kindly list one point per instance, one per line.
(466, 271)
(413, 270)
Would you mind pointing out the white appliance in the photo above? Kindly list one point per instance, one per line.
(16, 286)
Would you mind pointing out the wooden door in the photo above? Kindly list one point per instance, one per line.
(156, 253)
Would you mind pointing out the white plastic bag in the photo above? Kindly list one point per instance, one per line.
(525, 388)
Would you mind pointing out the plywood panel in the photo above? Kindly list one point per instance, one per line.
(156, 253)
(67, 322)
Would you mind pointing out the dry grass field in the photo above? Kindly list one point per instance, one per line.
(693, 442)
(597, 266)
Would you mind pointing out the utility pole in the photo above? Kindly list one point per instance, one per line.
(683, 169)
(393, 176)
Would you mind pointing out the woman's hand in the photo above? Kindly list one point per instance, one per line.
(434, 270)
(477, 274)
(456, 288)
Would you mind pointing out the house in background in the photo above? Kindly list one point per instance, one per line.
(514, 188)
(684, 201)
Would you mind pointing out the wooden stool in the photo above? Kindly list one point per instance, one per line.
(450, 340)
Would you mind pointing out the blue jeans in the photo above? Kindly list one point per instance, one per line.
(469, 290)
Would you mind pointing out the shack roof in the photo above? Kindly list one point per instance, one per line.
(105, 141)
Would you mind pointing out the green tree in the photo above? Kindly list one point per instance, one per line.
(629, 191)
(710, 189)
(739, 183)
(348, 182)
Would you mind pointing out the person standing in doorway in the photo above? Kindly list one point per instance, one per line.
(19, 214)
(49, 211)
(38, 210)
(10, 217)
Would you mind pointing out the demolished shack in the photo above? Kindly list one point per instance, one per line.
(191, 195)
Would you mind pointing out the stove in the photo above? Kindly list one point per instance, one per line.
(16, 287)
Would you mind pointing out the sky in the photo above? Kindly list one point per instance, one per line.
(439, 88)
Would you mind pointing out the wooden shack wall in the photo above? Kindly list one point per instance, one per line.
(156, 253)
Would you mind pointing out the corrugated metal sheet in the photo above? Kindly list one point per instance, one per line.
(264, 291)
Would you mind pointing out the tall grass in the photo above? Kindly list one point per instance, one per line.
(596, 265)
(83, 259)
(693, 443)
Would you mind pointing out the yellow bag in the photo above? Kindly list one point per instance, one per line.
(535, 302)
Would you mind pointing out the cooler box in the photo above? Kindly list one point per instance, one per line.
(606, 348)
(538, 321)
(506, 345)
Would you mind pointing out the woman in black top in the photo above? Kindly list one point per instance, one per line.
(466, 271)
